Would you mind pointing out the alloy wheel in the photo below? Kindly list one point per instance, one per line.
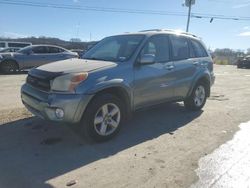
(107, 119)
(199, 95)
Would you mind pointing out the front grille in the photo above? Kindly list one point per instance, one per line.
(39, 83)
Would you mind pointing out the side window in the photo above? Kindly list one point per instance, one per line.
(2, 45)
(180, 48)
(18, 45)
(55, 50)
(61, 50)
(159, 46)
(40, 50)
(198, 49)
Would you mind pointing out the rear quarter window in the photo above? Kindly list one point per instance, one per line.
(199, 50)
(55, 50)
(40, 50)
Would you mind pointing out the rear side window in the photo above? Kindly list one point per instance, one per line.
(199, 50)
(40, 50)
(180, 48)
(157, 45)
(55, 50)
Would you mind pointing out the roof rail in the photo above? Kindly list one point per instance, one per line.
(151, 30)
(171, 30)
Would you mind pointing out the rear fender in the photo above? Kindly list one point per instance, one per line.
(204, 75)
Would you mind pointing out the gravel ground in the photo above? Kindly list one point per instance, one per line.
(159, 147)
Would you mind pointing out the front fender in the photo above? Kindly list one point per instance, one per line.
(109, 84)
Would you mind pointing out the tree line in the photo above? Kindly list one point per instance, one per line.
(72, 44)
(228, 56)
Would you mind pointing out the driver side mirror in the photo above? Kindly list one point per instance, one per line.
(147, 59)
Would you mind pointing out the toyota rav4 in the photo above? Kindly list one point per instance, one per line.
(119, 75)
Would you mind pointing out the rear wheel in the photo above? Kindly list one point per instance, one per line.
(9, 67)
(198, 97)
(103, 118)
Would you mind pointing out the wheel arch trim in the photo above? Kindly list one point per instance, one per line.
(202, 76)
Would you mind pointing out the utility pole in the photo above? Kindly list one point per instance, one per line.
(90, 36)
(77, 29)
(189, 3)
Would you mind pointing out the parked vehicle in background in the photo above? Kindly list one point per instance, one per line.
(10, 49)
(80, 52)
(33, 56)
(7, 44)
(119, 75)
(244, 63)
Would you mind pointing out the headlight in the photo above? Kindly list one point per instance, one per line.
(68, 82)
(1, 57)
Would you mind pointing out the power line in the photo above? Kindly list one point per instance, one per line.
(116, 10)
(224, 1)
(88, 8)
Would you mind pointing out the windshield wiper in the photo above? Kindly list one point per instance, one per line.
(94, 58)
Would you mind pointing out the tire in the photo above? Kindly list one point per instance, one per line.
(239, 66)
(98, 124)
(197, 99)
(9, 67)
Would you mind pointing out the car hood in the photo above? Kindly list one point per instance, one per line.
(75, 65)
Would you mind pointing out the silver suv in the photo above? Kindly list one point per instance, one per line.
(119, 75)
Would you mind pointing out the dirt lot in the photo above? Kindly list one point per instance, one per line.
(159, 147)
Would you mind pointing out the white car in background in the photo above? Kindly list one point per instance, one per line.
(9, 44)
(33, 56)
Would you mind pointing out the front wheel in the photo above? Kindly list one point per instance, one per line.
(198, 97)
(103, 118)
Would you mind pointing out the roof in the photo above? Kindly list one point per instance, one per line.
(168, 31)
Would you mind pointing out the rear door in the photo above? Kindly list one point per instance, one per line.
(40, 55)
(153, 83)
(185, 67)
(56, 54)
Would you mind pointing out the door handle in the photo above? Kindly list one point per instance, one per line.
(169, 67)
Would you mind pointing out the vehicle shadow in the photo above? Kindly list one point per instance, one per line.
(16, 73)
(34, 151)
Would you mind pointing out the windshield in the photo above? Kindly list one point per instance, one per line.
(116, 48)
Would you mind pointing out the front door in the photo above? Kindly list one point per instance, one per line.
(153, 83)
